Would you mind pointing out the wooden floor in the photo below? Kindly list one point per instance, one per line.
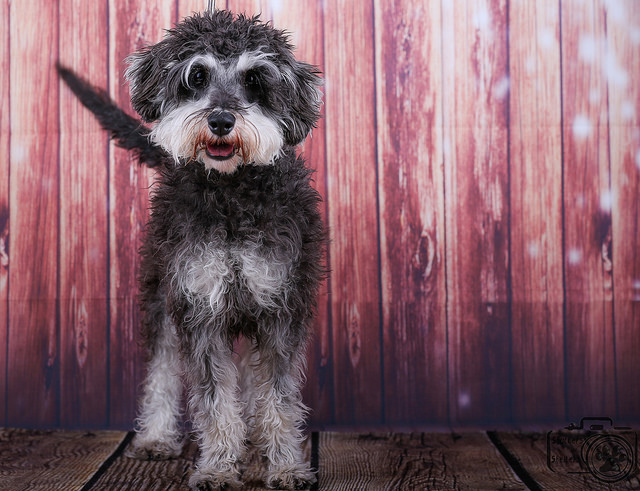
(60, 460)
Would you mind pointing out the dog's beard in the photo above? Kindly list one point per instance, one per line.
(184, 133)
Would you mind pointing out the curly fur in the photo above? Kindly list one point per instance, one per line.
(234, 244)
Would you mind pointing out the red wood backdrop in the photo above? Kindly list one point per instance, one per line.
(480, 163)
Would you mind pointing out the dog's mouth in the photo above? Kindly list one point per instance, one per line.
(220, 150)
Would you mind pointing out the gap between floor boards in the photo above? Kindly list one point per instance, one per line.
(102, 470)
(513, 462)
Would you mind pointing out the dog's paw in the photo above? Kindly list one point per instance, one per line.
(298, 478)
(201, 481)
(153, 450)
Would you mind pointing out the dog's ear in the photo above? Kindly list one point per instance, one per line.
(146, 75)
(303, 100)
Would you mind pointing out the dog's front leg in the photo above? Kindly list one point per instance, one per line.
(158, 435)
(216, 411)
(279, 413)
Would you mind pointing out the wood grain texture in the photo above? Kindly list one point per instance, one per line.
(33, 361)
(590, 362)
(380, 461)
(412, 461)
(187, 7)
(352, 196)
(46, 460)
(304, 23)
(535, 138)
(171, 475)
(133, 24)
(624, 137)
(410, 166)
(530, 450)
(4, 202)
(477, 209)
(84, 181)
(250, 8)
(480, 162)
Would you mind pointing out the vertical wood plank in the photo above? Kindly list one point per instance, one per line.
(187, 7)
(536, 211)
(409, 124)
(84, 163)
(133, 24)
(304, 21)
(477, 209)
(623, 72)
(4, 203)
(587, 218)
(249, 8)
(352, 201)
(33, 331)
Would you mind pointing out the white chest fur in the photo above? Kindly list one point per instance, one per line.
(208, 273)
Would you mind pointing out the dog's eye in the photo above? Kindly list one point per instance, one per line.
(252, 79)
(198, 77)
(253, 85)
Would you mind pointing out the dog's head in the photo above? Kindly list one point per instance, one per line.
(224, 91)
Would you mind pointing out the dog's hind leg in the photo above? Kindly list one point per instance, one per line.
(280, 413)
(158, 435)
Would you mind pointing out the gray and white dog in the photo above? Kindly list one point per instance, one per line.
(234, 244)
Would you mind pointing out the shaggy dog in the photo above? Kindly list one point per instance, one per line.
(234, 244)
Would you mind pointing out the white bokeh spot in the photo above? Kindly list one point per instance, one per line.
(581, 127)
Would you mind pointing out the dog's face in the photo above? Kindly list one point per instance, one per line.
(224, 91)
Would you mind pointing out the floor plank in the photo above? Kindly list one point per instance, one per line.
(126, 474)
(412, 461)
(530, 451)
(95, 461)
(53, 460)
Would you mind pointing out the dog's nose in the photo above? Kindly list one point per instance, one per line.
(221, 123)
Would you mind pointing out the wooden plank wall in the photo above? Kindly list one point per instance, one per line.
(409, 107)
(4, 202)
(536, 211)
(588, 269)
(83, 216)
(480, 163)
(33, 354)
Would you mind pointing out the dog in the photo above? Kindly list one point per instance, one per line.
(234, 246)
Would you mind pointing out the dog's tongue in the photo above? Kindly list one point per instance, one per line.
(220, 150)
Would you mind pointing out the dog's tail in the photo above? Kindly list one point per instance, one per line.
(126, 131)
